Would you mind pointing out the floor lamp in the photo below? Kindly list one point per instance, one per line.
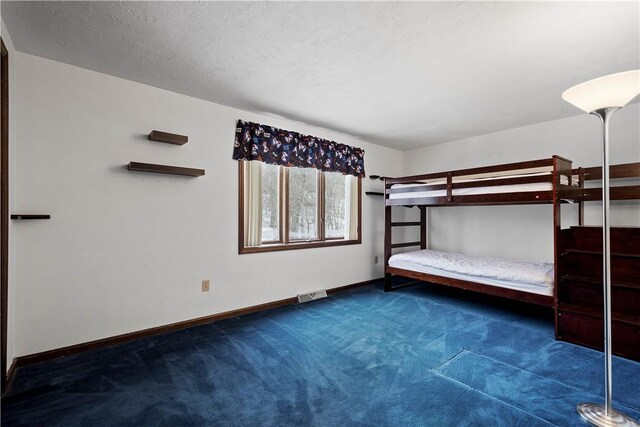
(602, 97)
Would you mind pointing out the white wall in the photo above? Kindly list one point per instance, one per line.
(525, 232)
(12, 180)
(126, 251)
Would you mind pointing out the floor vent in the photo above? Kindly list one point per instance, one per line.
(310, 296)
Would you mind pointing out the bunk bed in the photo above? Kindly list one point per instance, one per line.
(571, 284)
(544, 181)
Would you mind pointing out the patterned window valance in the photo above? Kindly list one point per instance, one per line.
(282, 147)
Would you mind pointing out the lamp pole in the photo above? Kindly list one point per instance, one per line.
(602, 97)
(593, 413)
(605, 114)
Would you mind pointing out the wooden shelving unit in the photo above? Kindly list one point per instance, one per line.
(169, 138)
(30, 216)
(580, 306)
(166, 169)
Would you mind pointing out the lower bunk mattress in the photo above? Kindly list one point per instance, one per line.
(533, 277)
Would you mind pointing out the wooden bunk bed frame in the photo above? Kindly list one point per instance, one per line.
(559, 193)
(560, 167)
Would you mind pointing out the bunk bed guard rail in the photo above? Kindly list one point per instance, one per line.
(535, 181)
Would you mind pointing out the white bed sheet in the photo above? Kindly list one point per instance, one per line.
(536, 277)
(497, 189)
(519, 286)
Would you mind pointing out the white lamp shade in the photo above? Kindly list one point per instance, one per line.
(614, 90)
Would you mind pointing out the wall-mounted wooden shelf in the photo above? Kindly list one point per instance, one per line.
(173, 170)
(169, 138)
(373, 193)
(30, 216)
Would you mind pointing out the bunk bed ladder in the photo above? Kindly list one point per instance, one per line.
(388, 245)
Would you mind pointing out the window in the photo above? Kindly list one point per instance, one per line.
(285, 208)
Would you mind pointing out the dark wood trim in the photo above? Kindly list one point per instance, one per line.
(4, 210)
(423, 227)
(561, 167)
(557, 229)
(354, 285)
(598, 313)
(544, 300)
(624, 170)
(388, 227)
(296, 245)
(406, 224)
(405, 245)
(30, 216)
(169, 138)
(106, 342)
(10, 373)
(320, 204)
(572, 278)
(118, 339)
(580, 202)
(599, 253)
(624, 192)
(388, 212)
(173, 170)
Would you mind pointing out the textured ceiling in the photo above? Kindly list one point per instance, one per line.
(398, 74)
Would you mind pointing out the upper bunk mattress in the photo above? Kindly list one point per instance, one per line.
(535, 277)
(494, 189)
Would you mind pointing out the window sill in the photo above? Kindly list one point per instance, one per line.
(296, 245)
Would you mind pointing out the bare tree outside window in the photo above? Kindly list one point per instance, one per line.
(270, 203)
(334, 205)
(303, 204)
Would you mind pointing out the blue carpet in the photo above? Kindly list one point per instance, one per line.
(417, 356)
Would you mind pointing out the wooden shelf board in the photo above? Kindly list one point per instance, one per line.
(597, 313)
(30, 216)
(596, 282)
(169, 138)
(599, 253)
(173, 170)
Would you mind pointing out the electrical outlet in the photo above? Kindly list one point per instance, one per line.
(375, 260)
(205, 286)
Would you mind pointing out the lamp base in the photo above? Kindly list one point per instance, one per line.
(597, 415)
